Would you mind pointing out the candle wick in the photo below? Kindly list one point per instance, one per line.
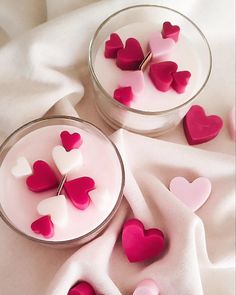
(61, 185)
(145, 61)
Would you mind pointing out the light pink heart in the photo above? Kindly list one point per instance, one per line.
(161, 48)
(232, 123)
(134, 79)
(194, 194)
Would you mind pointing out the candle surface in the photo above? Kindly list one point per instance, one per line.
(100, 162)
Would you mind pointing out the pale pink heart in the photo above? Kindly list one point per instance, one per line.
(232, 123)
(161, 48)
(194, 194)
(134, 79)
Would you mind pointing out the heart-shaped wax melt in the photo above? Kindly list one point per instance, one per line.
(22, 168)
(147, 287)
(232, 124)
(134, 79)
(77, 190)
(123, 95)
(100, 198)
(194, 194)
(161, 74)
(200, 128)
(140, 244)
(71, 141)
(66, 161)
(56, 207)
(130, 57)
(112, 46)
(43, 178)
(170, 31)
(161, 48)
(180, 81)
(43, 226)
(82, 288)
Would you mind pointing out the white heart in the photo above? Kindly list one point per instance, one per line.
(66, 161)
(56, 207)
(100, 198)
(22, 168)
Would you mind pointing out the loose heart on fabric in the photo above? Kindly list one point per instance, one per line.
(131, 56)
(43, 177)
(78, 191)
(200, 128)
(140, 244)
(82, 288)
(22, 168)
(66, 161)
(70, 141)
(194, 194)
(147, 287)
(232, 123)
(56, 207)
(43, 226)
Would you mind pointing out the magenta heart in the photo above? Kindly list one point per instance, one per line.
(112, 46)
(82, 288)
(43, 226)
(71, 141)
(77, 190)
(161, 74)
(42, 179)
(170, 31)
(130, 57)
(123, 95)
(140, 244)
(200, 128)
(180, 81)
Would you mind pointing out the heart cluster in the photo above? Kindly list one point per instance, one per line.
(132, 61)
(80, 191)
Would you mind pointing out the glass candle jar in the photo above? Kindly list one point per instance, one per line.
(153, 112)
(98, 177)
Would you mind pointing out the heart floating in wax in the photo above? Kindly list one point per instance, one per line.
(113, 45)
(147, 287)
(82, 288)
(78, 191)
(161, 74)
(161, 48)
(43, 177)
(67, 161)
(43, 226)
(180, 81)
(140, 244)
(134, 79)
(194, 194)
(200, 128)
(123, 95)
(22, 168)
(56, 207)
(70, 141)
(232, 123)
(100, 198)
(170, 31)
(131, 56)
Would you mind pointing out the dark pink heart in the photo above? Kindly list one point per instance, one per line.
(140, 244)
(180, 81)
(170, 31)
(161, 74)
(43, 226)
(130, 57)
(200, 128)
(77, 190)
(42, 179)
(123, 95)
(82, 288)
(112, 46)
(71, 141)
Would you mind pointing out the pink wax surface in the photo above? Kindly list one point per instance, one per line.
(100, 162)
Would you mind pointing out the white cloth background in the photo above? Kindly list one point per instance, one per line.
(43, 62)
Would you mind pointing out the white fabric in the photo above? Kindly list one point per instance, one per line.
(41, 65)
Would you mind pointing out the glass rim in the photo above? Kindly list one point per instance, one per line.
(94, 232)
(130, 109)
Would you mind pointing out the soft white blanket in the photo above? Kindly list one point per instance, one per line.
(43, 68)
